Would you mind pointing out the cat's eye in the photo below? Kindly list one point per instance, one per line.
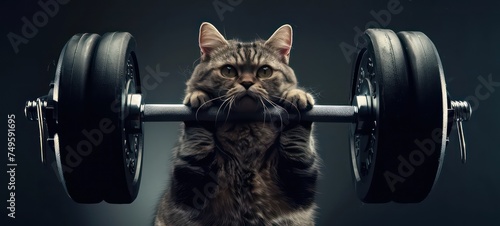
(264, 72)
(228, 71)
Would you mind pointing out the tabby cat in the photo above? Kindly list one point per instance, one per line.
(243, 173)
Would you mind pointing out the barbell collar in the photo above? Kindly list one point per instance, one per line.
(134, 112)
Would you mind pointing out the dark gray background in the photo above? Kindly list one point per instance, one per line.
(466, 35)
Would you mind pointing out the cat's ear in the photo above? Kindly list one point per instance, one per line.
(210, 38)
(281, 40)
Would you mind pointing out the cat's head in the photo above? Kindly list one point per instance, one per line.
(244, 75)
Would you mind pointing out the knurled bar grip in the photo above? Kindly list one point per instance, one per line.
(179, 112)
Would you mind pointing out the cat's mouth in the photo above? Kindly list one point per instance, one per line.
(247, 103)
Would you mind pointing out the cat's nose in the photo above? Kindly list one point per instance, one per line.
(246, 84)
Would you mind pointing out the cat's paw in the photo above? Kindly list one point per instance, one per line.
(297, 98)
(197, 99)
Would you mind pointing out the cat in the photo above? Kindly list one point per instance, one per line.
(241, 172)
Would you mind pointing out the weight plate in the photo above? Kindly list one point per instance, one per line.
(77, 161)
(115, 74)
(424, 156)
(380, 74)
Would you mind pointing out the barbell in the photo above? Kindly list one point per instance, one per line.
(400, 114)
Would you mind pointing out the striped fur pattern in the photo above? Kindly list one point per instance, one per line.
(243, 173)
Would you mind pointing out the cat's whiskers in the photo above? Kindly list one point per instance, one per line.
(274, 104)
(233, 91)
(277, 106)
(291, 103)
(264, 108)
(201, 106)
(223, 103)
(230, 105)
(267, 111)
(262, 93)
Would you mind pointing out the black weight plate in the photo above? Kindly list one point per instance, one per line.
(114, 75)
(425, 155)
(78, 162)
(380, 73)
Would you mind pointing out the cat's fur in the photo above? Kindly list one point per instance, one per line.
(243, 173)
